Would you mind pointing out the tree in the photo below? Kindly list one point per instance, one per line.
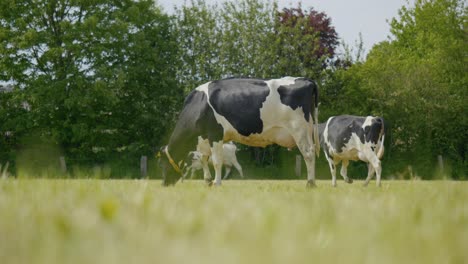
(198, 41)
(245, 28)
(97, 75)
(306, 41)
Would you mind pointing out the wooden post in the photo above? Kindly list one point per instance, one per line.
(143, 166)
(440, 161)
(4, 172)
(63, 164)
(298, 165)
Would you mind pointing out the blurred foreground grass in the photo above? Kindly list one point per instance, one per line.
(138, 221)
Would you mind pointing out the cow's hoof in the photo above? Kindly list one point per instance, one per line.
(349, 180)
(334, 185)
(311, 184)
(365, 184)
(208, 183)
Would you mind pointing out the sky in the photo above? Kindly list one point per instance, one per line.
(349, 17)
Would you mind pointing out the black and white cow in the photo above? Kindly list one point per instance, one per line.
(253, 112)
(345, 138)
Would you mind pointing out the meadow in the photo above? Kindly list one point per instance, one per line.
(243, 221)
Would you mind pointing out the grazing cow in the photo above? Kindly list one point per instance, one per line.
(253, 112)
(229, 160)
(345, 138)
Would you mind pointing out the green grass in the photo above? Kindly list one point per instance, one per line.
(131, 221)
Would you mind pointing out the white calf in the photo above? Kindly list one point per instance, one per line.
(229, 160)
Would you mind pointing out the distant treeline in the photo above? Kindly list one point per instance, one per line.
(101, 82)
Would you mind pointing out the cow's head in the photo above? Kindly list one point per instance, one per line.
(375, 131)
(171, 172)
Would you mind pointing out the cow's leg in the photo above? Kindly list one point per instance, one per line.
(378, 173)
(238, 168)
(192, 172)
(331, 163)
(310, 164)
(206, 170)
(344, 171)
(376, 165)
(187, 170)
(370, 173)
(228, 170)
(217, 159)
(307, 149)
(203, 147)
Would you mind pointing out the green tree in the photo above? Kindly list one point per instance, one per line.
(98, 76)
(245, 28)
(198, 41)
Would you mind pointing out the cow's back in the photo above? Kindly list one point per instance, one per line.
(261, 112)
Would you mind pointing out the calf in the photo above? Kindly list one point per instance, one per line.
(345, 138)
(229, 160)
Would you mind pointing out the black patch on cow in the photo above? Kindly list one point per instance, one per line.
(196, 119)
(239, 101)
(299, 94)
(375, 130)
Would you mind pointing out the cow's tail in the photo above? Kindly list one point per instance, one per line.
(382, 134)
(316, 122)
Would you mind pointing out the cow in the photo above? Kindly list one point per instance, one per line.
(344, 138)
(254, 112)
(229, 160)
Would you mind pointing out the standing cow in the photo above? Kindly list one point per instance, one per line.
(253, 112)
(229, 160)
(345, 138)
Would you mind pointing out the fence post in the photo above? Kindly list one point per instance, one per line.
(143, 166)
(63, 164)
(298, 165)
(440, 161)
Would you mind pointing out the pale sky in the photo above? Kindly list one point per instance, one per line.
(349, 17)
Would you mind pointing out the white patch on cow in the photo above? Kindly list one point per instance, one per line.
(203, 88)
(380, 147)
(327, 141)
(280, 122)
(354, 149)
(367, 122)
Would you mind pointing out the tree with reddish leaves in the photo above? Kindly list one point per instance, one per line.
(306, 41)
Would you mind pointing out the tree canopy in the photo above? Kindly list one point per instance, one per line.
(96, 76)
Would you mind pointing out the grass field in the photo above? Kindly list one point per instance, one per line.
(138, 221)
